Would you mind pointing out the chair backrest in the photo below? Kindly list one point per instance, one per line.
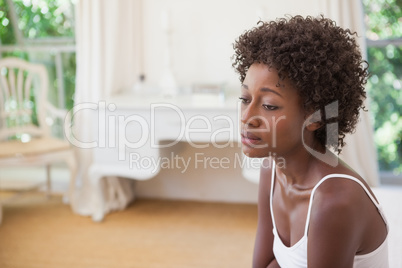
(23, 98)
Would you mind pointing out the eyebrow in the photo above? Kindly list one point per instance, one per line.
(264, 89)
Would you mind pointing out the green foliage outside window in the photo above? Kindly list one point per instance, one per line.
(42, 23)
(44, 18)
(384, 21)
(37, 19)
(6, 31)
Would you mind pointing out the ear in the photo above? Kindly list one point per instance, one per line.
(313, 121)
(313, 126)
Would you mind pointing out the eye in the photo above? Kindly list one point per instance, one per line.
(244, 100)
(270, 107)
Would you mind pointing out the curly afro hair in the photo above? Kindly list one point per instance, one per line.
(323, 62)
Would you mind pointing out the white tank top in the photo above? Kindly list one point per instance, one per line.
(296, 255)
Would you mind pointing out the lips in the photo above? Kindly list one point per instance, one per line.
(249, 138)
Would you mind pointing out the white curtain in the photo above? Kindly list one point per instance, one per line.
(360, 152)
(107, 61)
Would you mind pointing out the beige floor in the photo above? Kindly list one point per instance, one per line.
(150, 233)
(44, 233)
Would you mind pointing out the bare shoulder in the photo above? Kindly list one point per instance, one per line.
(339, 189)
(337, 215)
(345, 189)
(348, 191)
(345, 205)
(340, 198)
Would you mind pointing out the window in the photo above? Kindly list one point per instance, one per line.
(383, 20)
(42, 31)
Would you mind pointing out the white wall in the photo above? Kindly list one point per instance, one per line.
(201, 48)
(203, 33)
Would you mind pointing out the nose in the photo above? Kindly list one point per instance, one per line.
(249, 115)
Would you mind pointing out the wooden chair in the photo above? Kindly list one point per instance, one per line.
(25, 135)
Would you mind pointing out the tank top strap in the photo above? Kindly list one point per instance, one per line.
(272, 193)
(345, 177)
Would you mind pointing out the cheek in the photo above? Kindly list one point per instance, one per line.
(286, 127)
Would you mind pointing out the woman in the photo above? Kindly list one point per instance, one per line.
(302, 89)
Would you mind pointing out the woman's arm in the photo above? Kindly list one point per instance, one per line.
(335, 227)
(273, 264)
(263, 253)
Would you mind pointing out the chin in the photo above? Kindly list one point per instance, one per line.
(256, 153)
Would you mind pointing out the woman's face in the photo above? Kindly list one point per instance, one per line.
(271, 116)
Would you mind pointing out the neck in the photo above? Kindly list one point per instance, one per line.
(301, 169)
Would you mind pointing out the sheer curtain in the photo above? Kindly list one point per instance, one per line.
(360, 152)
(107, 61)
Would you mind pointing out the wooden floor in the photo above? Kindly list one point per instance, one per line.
(151, 233)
